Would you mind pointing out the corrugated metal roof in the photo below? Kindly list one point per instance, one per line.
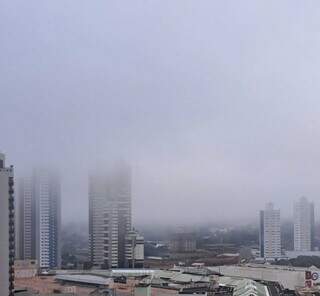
(243, 287)
(250, 288)
(83, 278)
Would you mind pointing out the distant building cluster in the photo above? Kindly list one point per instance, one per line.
(30, 226)
(183, 242)
(30, 245)
(303, 232)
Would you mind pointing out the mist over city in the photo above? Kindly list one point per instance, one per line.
(214, 105)
(148, 135)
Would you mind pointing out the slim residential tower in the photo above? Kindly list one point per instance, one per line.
(270, 233)
(27, 222)
(303, 225)
(39, 197)
(109, 217)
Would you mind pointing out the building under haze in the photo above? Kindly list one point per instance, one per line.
(313, 228)
(40, 218)
(110, 217)
(27, 222)
(134, 250)
(183, 241)
(7, 231)
(270, 233)
(303, 225)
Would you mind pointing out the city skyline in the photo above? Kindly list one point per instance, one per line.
(113, 242)
(249, 219)
(104, 166)
(286, 210)
(160, 148)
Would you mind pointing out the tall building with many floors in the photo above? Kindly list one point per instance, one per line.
(27, 219)
(40, 218)
(303, 225)
(270, 232)
(7, 231)
(109, 217)
(313, 229)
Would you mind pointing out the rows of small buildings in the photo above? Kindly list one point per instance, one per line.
(235, 281)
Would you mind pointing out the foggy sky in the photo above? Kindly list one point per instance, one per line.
(216, 104)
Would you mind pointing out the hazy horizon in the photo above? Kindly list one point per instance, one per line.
(214, 103)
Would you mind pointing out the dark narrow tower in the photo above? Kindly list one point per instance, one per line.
(312, 223)
(7, 228)
(261, 234)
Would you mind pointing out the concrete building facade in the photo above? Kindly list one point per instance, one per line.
(25, 269)
(7, 228)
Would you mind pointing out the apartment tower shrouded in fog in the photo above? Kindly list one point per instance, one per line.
(270, 233)
(40, 218)
(109, 216)
(7, 229)
(303, 225)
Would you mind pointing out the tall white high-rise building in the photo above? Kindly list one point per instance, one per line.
(27, 219)
(7, 231)
(303, 225)
(109, 217)
(270, 233)
(313, 225)
(40, 218)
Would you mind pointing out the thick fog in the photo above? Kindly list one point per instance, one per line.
(216, 104)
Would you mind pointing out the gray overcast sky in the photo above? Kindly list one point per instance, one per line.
(215, 103)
